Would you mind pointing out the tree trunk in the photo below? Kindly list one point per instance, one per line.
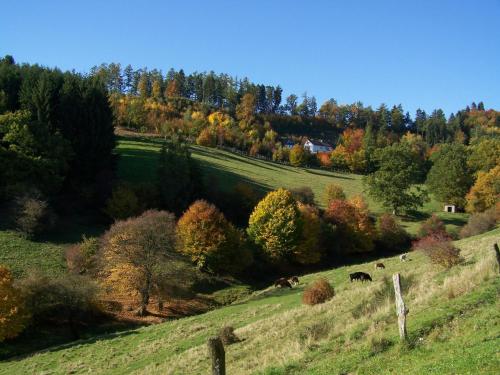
(144, 297)
(401, 309)
(218, 356)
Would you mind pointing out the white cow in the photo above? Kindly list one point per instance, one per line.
(403, 257)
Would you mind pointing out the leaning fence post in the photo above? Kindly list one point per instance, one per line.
(497, 252)
(400, 306)
(218, 356)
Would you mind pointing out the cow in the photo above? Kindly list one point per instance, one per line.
(294, 280)
(282, 282)
(379, 265)
(403, 257)
(360, 276)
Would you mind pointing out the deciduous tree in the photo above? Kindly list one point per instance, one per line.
(13, 316)
(139, 254)
(276, 224)
(210, 241)
(485, 193)
(392, 183)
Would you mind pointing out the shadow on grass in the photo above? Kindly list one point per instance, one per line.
(327, 174)
(49, 340)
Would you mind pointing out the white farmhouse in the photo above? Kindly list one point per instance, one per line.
(317, 146)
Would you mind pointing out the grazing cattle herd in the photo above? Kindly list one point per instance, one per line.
(284, 282)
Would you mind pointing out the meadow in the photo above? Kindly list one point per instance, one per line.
(453, 327)
(139, 158)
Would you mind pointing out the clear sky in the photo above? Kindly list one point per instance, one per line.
(421, 53)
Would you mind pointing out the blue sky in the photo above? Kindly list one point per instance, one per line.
(426, 54)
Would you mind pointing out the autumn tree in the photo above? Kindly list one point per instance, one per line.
(450, 177)
(210, 241)
(354, 231)
(393, 183)
(333, 192)
(485, 193)
(276, 224)
(309, 248)
(13, 316)
(139, 253)
(298, 156)
(245, 111)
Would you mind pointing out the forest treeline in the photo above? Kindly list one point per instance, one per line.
(220, 110)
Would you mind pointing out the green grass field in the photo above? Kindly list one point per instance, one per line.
(139, 156)
(22, 255)
(453, 325)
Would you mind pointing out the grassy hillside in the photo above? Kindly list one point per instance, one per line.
(22, 255)
(139, 160)
(453, 324)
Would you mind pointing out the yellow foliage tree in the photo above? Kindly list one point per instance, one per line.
(13, 317)
(485, 193)
(276, 224)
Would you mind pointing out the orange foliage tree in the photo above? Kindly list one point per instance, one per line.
(139, 255)
(13, 317)
(210, 241)
(354, 228)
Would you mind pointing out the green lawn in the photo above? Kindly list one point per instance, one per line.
(139, 156)
(22, 255)
(453, 325)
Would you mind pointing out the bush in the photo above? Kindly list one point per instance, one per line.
(439, 249)
(320, 291)
(70, 298)
(334, 192)
(81, 258)
(479, 223)
(303, 194)
(432, 226)
(33, 214)
(227, 336)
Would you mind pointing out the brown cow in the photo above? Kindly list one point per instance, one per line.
(379, 265)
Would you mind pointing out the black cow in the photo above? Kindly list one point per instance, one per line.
(283, 282)
(294, 280)
(360, 276)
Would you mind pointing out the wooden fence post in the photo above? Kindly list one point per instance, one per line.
(497, 253)
(400, 307)
(218, 356)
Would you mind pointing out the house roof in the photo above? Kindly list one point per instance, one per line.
(317, 142)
